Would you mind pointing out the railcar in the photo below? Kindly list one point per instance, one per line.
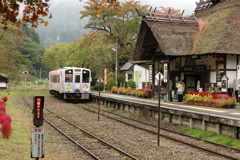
(70, 83)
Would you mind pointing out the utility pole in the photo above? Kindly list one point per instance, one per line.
(116, 69)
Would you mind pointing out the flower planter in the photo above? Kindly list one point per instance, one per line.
(219, 106)
(149, 94)
(201, 104)
(227, 106)
(233, 106)
(190, 103)
(195, 103)
(207, 104)
(213, 105)
(185, 102)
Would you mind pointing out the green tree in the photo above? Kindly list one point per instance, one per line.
(34, 52)
(110, 80)
(12, 62)
(31, 33)
(121, 78)
(123, 24)
(131, 83)
(49, 59)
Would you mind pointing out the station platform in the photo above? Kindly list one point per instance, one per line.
(230, 113)
(220, 120)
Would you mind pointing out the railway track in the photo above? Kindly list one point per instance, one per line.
(210, 147)
(95, 147)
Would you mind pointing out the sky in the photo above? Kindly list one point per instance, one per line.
(187, 5)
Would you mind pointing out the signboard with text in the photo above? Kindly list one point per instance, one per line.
(194, 68)
(150, 73)
(37, 142)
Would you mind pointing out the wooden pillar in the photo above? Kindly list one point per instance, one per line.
(168, 78)
(153, 76)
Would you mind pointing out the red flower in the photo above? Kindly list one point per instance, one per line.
(146, 90)
(203, 93)
(192, 92)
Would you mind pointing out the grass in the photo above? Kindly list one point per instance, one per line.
(18, 145)
(213, 137)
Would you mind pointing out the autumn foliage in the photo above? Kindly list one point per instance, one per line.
(5, 120)
(33, 12)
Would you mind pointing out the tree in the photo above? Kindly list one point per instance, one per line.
(12, 62)
(123, 24)
(168, 10)
(34, 53)
(35, 10)
(30, 32)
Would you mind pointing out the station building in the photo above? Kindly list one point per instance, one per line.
(203, 47)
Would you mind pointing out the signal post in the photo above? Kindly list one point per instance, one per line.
(37, 140)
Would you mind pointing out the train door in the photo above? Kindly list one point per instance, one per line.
(86, 80)
(68, 81)
(77, 81)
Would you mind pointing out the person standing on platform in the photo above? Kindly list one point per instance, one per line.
(198, 86)
(181, 88)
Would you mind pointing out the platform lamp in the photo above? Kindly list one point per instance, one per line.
(116, 69)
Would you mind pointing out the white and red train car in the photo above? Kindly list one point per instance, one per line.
(70, 83)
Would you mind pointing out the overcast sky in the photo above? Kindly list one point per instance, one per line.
(187, 5)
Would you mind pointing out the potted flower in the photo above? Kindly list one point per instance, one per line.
(217, 88)
(196, 98)
(214, 89)
(128, 90)
(148, 92)
(230, 102)
(140, 93)
(200, 101)
(213, 102)
(207, 99)
(188, 99)
(133, 92)
(114, 89)
(220, 103)
(120, 90)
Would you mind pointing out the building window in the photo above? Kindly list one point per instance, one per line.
(130, 76)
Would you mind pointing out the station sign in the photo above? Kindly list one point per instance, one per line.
(150, 73)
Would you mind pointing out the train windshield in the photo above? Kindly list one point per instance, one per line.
(77, 78)
(86, 76)
(69, 75)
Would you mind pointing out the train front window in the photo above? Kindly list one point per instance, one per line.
(85, 76)
(69, 75)
(77, 78)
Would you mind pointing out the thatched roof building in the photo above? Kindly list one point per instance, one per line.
(214, 30)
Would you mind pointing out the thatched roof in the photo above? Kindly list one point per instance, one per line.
(221, 33)
(207, 4)
(217, 32)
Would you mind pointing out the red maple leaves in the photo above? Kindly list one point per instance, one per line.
(33, 13)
